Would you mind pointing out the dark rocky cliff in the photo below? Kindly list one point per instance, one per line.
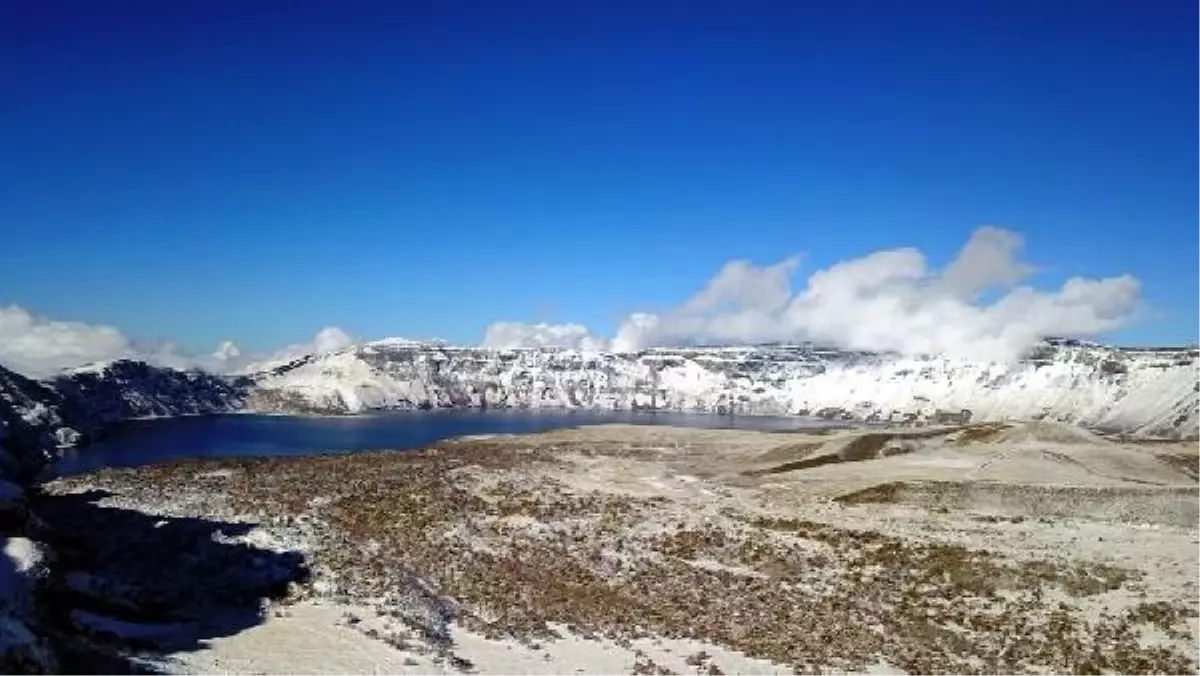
(36, 419)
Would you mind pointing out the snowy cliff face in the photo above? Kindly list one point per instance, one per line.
(1141, 392)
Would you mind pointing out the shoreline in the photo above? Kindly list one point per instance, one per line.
(147, 438)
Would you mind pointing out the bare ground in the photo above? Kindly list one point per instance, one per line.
(978, 549)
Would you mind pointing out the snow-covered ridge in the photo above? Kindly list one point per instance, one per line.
(1145, 392)
(1148, 392)
(123, 390)
(38, 416)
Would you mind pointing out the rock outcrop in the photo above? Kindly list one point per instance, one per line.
(30, 424)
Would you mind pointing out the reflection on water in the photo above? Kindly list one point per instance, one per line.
(144, 442)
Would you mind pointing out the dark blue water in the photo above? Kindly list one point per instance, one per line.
(145, 442)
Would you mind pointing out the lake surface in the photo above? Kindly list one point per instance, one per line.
(145, 442)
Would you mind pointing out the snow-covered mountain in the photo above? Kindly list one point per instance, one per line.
(1141, 392)
(1137, 392)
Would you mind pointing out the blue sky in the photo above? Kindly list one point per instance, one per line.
(255, 171)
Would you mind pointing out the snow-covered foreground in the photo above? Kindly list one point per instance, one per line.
(310, 638)
(627, 549)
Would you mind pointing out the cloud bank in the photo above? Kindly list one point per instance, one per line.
(887, 301)
(515, 334)
(39, 347)
(976, 307)
(327, 339)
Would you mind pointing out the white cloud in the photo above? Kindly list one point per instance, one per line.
(39, 347)
(887, 301)
(327, 339)
(891, 301)
(635, 332)
(505, 335)
(227, 351)
(986, 261)
(331, 338)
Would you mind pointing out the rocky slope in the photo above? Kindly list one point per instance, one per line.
(30, 421)
(122, 390)
(36, 418)
(31, 425)
(1137, 392)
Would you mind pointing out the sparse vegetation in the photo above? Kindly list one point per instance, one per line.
(469, 533)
